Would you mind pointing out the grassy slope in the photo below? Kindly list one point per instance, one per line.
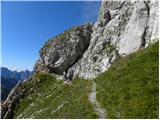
(129, 89)
(49, 93)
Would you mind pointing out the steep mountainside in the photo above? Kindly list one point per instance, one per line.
(86, 51)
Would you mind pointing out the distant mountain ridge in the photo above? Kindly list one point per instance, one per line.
(22, 75)
(10, 78)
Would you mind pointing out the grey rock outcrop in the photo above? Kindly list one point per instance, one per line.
(61, 52)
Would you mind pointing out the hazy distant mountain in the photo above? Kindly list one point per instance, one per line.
(6, 73)
(10, 78)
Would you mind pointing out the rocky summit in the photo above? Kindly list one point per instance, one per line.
(84, 52)
(122, 28)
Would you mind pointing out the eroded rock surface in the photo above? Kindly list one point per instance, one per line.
(61, 52)
(123, 27)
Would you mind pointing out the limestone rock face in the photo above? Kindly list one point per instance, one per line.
(122, 28)
(61, 52)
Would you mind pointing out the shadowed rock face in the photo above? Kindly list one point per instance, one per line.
(61, 52)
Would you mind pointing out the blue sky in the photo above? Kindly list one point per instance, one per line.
(26, 26)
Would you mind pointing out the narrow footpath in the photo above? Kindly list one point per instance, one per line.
(92, 98)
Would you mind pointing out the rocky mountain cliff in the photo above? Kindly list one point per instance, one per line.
(123, 27)
(63, 51)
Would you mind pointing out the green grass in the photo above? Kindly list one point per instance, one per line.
(129, 89)
(44, 94)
